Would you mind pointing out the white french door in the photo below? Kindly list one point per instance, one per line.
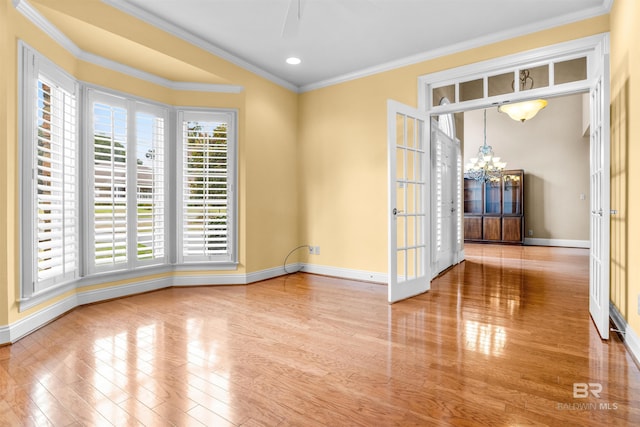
(444, 169)
(409, 247)
(600, 203)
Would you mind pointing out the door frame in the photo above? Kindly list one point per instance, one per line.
(595, 48)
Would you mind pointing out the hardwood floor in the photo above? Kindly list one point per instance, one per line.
(499, 340)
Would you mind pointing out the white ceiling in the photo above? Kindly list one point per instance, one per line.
(340, 39)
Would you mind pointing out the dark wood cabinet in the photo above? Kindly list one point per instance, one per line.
(494, 210)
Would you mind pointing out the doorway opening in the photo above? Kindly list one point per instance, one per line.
(475, 86)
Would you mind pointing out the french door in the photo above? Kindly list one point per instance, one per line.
(409, 246)
(600, 203)
(444, 157)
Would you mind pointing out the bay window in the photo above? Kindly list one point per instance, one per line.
(113, 198)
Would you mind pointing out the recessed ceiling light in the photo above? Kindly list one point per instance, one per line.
(293, 60)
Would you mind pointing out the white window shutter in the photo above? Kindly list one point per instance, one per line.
(207, 202)
(109, 138)
(150, 184)
(55, 167)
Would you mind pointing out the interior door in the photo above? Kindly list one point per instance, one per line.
(600, 187)
(408, 225)
(444, 170)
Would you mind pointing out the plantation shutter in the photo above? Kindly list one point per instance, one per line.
(55, 166)
(129, 181)
(207, 199)
(150, 194)
(109, 132)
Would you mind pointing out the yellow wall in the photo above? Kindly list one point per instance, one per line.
(343, 202)
(312, 167)
(267, 128)
(625, 159)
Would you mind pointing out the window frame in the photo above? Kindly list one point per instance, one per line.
(132, 106)
(31, 67)
(229, 260)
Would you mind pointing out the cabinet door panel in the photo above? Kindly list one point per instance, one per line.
(491, 228)
(472, 197)
(473, 228)
(512, 186)
(512, 229)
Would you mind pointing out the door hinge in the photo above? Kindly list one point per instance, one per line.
(614, 212)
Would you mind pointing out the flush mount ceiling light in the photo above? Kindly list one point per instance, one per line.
(521, 111)
(292, 60)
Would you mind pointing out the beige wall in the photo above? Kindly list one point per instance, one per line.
(555, 157)
(625, 159)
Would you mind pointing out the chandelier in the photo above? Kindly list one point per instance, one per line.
(485, 167)
(521, 111)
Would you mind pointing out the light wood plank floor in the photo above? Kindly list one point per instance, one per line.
(499, 340)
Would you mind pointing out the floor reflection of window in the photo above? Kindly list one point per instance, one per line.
(486, 339)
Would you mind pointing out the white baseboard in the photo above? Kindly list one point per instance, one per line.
(531, 241)
(631, 338)
(104, 294)
(345, 273)
(38, 319)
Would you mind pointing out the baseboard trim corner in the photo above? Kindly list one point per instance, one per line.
(631, 339)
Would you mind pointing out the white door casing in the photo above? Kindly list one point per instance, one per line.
(596, 51)
(409, 267)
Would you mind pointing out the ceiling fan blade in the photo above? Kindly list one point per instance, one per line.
(292, 20)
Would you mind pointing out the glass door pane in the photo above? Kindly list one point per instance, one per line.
(512, 194)
(472, 197)
(492, 197)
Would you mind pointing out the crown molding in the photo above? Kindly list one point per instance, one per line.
(197, 41)
(153, 78)
(143, 15)
(605, 8)
(52, 31)
(46, 26)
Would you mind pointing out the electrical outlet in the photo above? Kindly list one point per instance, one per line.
(312, 250)
(530, 233)
(317, 250)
